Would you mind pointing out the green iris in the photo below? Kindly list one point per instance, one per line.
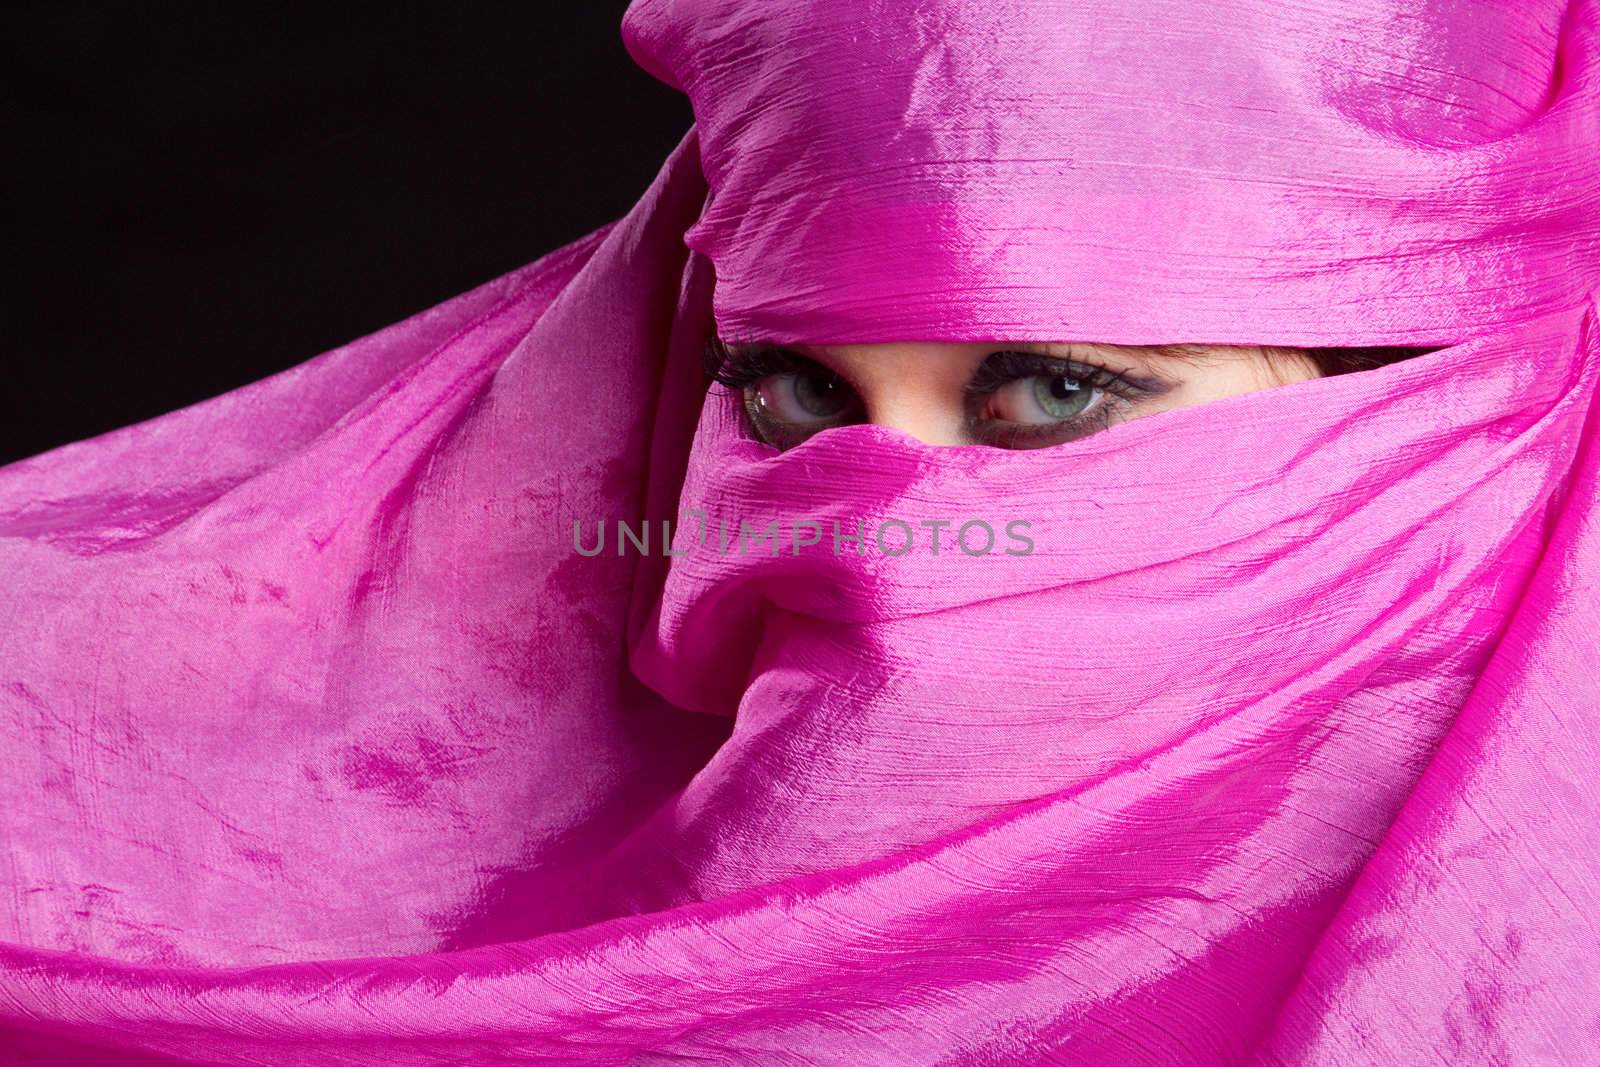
(1060, 397)
(822, 395)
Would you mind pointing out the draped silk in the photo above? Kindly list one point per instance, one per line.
(329, 740)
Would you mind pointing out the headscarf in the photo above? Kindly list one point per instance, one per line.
(331, 740)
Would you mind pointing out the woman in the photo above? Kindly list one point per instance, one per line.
(328, 748)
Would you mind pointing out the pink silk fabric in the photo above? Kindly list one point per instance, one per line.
(326, 745)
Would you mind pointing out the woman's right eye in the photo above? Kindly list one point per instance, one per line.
(787, 407)
(800, 397)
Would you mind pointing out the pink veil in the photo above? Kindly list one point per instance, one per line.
(329, 743)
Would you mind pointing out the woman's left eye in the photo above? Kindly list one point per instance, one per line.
(1042, 399)
(1030, 400)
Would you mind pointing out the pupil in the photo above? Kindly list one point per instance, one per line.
(820, 394)
(1061, 388)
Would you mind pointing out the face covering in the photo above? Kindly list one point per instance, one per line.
(1254, 732)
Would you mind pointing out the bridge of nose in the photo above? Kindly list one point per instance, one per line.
(914, 387)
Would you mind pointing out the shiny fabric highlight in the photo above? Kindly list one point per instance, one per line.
(326, 746)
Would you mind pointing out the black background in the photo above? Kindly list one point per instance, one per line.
(208, 194)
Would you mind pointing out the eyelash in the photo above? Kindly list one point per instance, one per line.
(739, 368)
(743, 367)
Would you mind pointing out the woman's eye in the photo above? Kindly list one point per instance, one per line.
(799, 398)
(1042, 399)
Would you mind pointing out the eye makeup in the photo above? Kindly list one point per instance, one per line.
(1014, 398)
